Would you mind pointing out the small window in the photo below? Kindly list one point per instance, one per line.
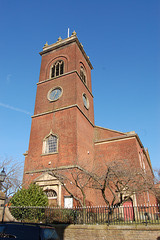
(50, 144)
(83, 74)
(57, 69)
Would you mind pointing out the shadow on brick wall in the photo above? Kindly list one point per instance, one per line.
(60, 229)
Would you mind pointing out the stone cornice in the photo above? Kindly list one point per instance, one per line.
(119, 138)
(74, 71)
(127, 136)
(110, 130)
(53, 169)
(61, 109)
(62, 43)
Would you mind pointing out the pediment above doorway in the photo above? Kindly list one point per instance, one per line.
(50, 184)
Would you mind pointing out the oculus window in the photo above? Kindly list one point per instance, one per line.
(54, 94)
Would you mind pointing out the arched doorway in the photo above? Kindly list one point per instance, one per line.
(52, 197)
(51, 187)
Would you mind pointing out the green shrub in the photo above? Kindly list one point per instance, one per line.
(24, 201)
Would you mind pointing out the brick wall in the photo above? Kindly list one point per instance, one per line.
(79, 141)
(99, 232)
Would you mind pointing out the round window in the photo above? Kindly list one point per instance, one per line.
(54, 94)
(85, 101)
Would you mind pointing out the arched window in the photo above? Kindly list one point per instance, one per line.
(51, 193)
(57, 69)
(83, 74)
(50, 144)
(85, 101)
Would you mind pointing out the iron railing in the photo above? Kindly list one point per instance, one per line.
(89, 215)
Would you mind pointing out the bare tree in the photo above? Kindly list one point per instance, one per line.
(13, 180)
(157, 184)
(157, 176)
(75, 181)
(119, 180)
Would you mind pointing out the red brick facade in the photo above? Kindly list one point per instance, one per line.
(79, 140)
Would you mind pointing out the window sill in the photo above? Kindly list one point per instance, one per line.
(51, 198)
(52, 153)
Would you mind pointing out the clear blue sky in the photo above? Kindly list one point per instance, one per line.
(122, 39)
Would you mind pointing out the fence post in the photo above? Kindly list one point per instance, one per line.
(108, 216)
(74, 216)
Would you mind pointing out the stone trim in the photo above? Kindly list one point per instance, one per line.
(52, 89)
(64, 42)
(114, 139)
(52, 169)
(60, 109)
(126, 137)
(110, 130)
(44, 143)
(46, 154)
(64, 74)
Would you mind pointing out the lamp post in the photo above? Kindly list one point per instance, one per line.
(2, 178)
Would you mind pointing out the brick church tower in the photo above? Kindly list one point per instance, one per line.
(62, 125)
(63, 133)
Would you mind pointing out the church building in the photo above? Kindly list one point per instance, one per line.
(63, 133)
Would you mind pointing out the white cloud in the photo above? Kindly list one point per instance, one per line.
(8, 78)
(14, 108)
